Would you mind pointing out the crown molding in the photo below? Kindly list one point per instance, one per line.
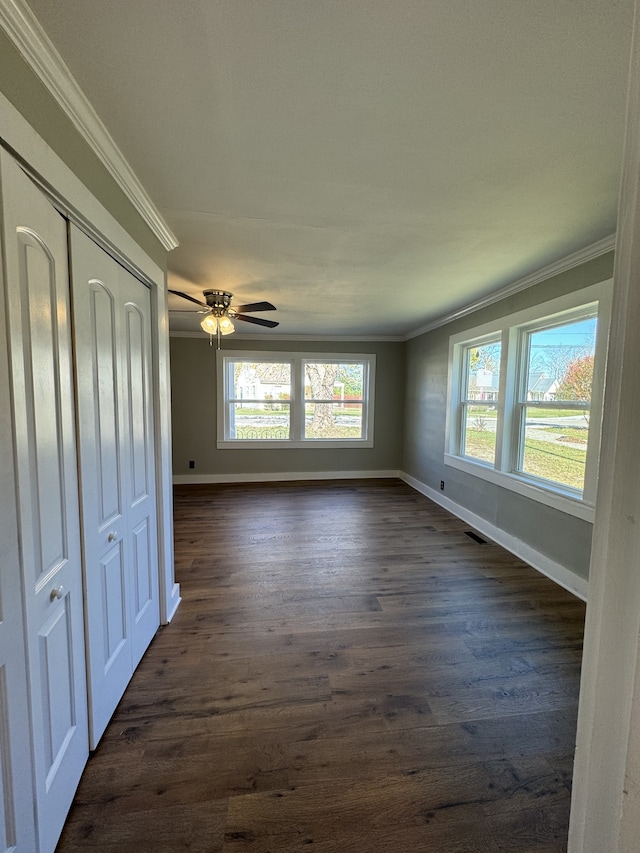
(26, 33)
(70, 196)
(589, 253)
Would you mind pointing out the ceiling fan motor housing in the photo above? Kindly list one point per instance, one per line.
(218, 305)
(218, 300)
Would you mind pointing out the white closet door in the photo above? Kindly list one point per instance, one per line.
(140, 495)
(17, 825)
(37, 285)
(100, 432)
(113, 360)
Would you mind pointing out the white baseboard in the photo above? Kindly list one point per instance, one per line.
(279, 477)
(560, 574)
(172, 604)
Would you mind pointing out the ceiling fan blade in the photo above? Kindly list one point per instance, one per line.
(255, 306)
(270, 324)
(190, 298)
(186, 311)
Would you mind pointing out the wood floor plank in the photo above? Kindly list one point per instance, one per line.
(413, 798)
(196, 827)
(348, 671)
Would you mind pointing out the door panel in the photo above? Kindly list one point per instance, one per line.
(143, 587)
(113, 358)
(35, 240)
(44, 394)
(58, 688)
(102, 318)
(137, 420)
(114, 598)
(109, 645)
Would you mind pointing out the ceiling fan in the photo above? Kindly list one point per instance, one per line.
(220, 315)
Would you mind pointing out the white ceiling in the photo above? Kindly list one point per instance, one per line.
(366, 165)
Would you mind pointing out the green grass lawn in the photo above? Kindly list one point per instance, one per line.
(263, 413)
(532, 412)
(284, 409)
(543, 459)
(480, 444)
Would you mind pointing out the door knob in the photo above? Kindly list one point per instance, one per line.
(56, 592)
(112, 536)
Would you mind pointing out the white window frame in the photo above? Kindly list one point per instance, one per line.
(297, 361)
(512, 331)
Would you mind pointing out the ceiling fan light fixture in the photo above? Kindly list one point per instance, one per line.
(225, 325)
(220, 316)
(209, 324)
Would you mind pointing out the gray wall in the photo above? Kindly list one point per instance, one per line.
(559, 536)
(23, 89)
(193, 379)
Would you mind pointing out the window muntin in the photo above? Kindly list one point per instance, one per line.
(295, 400)
(568, 334)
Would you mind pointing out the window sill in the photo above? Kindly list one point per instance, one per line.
(548, 496)
(310, 444)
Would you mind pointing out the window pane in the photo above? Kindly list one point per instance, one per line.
(268, 381)
(555, 445)
(261, 421)
(479, 432)
(342, 383)
(482, 371)
(333, 381)
(333, 420)
(560, 363)
(482, 378)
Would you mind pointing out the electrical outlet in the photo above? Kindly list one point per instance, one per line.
(442, 485)
(192, 464)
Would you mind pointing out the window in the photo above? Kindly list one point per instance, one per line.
(554, 403)
(295, 400)
(525, 398)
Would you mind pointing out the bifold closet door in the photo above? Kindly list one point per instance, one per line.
(112, 333)
(46, 493)
(17, 824)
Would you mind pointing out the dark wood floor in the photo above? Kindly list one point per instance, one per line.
(348, 671)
